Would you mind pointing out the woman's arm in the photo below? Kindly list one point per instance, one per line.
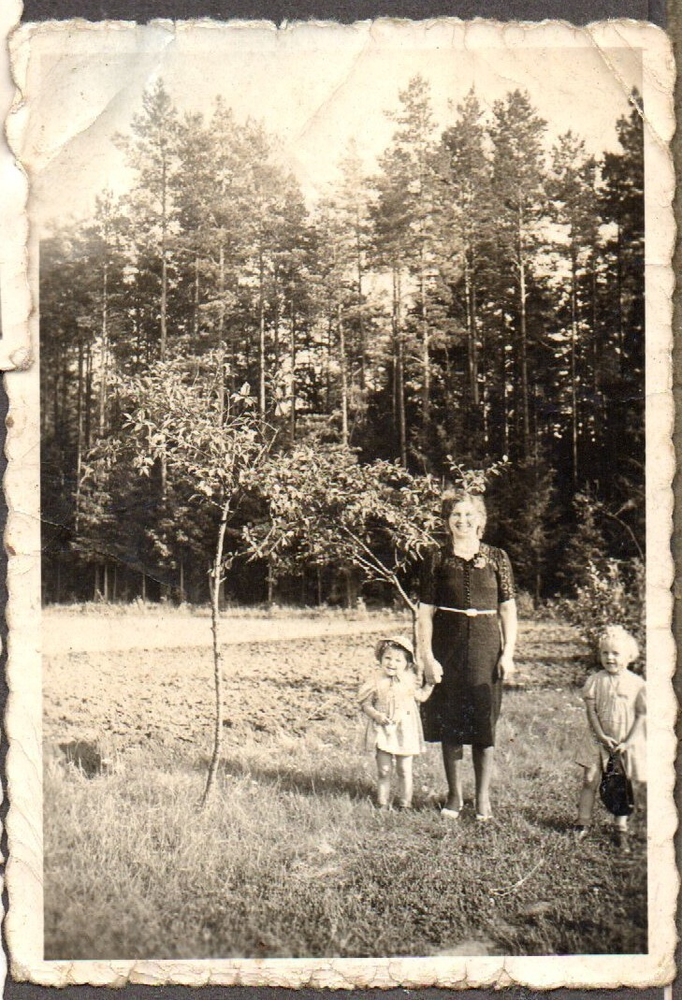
(433, 671)
(510, 627)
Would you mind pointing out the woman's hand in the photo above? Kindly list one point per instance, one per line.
(505, 665)
(433, 671)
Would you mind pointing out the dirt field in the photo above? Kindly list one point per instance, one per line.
(132, 679)
(68, 631)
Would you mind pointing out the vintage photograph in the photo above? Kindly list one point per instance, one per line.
(346, 489)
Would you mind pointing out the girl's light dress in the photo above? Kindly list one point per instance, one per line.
(618, 699)
(397, 698)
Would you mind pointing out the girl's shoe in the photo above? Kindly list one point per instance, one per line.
(403, 806)
(622, 841)
(484, 817)
(580, 832)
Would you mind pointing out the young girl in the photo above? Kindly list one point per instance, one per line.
(394, 729)
(615, 702)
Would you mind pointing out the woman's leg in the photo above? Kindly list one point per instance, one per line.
(588, 794)
(403, 766)
(452, 761)
(384, 761)
(483, 758)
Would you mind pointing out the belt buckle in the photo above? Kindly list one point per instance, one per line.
(471, 612)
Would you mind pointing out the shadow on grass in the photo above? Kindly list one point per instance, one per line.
(309, 783)
(559, 824)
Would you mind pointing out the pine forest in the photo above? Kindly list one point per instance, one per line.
(475, 299)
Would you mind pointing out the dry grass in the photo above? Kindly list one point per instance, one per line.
(290, 858)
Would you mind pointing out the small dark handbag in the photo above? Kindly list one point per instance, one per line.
(615, 788)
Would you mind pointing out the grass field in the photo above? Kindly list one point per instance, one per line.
(290, 858)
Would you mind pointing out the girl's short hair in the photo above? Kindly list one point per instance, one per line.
(621, 635)
(452, 497)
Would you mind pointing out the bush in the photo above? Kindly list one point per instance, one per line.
(610, 592)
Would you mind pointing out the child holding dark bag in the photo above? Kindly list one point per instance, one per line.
(615, 757)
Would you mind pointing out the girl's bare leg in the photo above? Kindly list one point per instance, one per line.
(384, 761)
(452, 761)
(588, 794)
(483, 758)
(403, 766)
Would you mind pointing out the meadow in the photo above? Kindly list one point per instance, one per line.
(290, 857)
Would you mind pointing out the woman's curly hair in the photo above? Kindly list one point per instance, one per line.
(452, 497)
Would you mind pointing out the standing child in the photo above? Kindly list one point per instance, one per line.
(394, 730)
(615, 702)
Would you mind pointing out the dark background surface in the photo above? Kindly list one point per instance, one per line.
(348, 11)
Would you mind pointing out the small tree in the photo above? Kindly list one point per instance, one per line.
(325, 508)
(212, 440)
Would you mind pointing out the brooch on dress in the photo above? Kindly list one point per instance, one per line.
(480, 561)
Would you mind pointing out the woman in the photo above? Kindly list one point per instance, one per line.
(467, 634)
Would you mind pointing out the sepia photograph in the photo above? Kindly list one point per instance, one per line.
(354, 513)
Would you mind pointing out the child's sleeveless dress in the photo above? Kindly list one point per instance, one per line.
(397, 698)
(618, 699)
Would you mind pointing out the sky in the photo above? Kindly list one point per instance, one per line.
(316, 89)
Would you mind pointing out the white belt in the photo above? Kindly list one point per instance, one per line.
(470, 612)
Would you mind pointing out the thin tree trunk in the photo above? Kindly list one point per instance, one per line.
(330, 354)
(472, 360)
(619, 292)
(523, 339)
(195, 303)
(261, 337)
(574, 392)
(87, 430)
(217, 659)
(399, 363)
(344, 380)
(292, 362)
(221, 337)
(426, 360)
(104, 333)
(271, 582)
(505, 399)
(79, 438)
(361, 324)
(164, 261)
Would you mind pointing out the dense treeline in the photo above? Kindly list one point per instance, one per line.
(481, 295)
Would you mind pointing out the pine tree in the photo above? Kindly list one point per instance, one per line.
(518, 185)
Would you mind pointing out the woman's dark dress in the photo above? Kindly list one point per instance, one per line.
(464, 707)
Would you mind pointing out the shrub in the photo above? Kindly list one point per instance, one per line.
(610, 592)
